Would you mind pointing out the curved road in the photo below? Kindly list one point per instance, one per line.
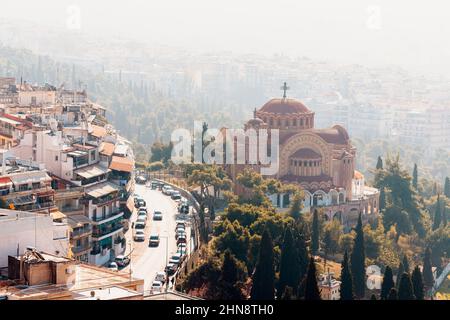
(145, 260)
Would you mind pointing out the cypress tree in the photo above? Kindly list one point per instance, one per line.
(437, 214)
(393, 294)
(400, 271)
(444, 216)
(357, 261)
(373, 297)
(405, 290)
(379, 163)
(382, 199)
(417, 283)
(229, 278)
(311, 289)
(346, 280)
(288, 294)
(289, 267)
(264, 275)
(447, 187)
(315, 236)
(415, 177)
(428, 279)
(302, 252)
(301, 288)
(388, 283)
(405, 264)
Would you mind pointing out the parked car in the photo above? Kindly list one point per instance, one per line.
(157, 215)
(157, 287)
(154, 240)
(180, 233)
(122, 261)
(139, 225)
(160, 276)
(182, 249)
(142, 219)
(167, 190)
(181, 239)
(176, 195)
(113, 266)
(142, 213)
(141, 180)
(180, 224)
(176, 259)
(143, 208)
(184, 209)
(171, 269)
(139, 235)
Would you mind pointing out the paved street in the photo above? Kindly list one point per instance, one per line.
(145, 260)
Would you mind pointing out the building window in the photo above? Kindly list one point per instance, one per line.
(56, 158)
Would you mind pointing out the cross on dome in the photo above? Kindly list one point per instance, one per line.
(284, 88)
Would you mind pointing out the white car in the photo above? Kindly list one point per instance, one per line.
(156, 287)
(182, 249)
(176, 259)
(160, 276)
(139, 235)
(141, 219)
(113, 266)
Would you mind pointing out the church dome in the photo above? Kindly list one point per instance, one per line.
(284, 106)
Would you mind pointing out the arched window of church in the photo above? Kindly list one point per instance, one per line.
(300, 163)
(271, 122)
(310, 163)
(307, 121)
(294, 122)
(305, 163)
(301, 122)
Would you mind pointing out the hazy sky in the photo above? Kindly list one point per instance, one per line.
(412, 33)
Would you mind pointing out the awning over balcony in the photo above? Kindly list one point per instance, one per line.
(121, 164)
(5, 182)
(92, 171)
(101, 189)
(19, 201)
(56, 215)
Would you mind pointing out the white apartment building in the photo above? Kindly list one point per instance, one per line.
(20, 229)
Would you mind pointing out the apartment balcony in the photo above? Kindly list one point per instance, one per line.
(101, 219)
(64, 194)
(36, 206)
(108, 230)
(81, 233)
(81, 249)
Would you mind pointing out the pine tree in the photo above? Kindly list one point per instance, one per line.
(415, 177)
(289, 267)
(382, 199)
(417, 283)
(357, 261)
(346, 280)
(428, 279)
(405, 290)
(405, 264)
(264, 275)
(388, 283)
(393, 294)
(311, 289)
(400, 271)
(379, 163)
(315, 236)
(437, 214)
(447, 187)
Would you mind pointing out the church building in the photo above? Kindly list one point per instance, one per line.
(321, 161)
